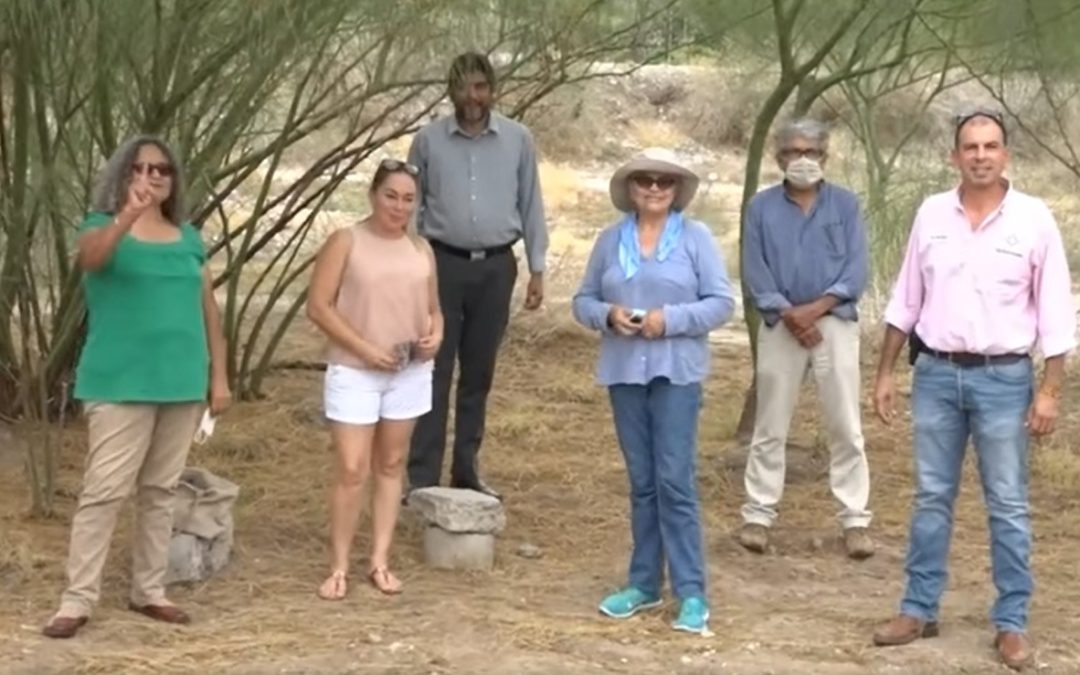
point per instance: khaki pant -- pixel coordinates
(782, 366)
(134, 449)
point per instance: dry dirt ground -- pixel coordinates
(802, 608)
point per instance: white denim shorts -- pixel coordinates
(355, 396)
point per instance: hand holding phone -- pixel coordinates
(637, 316)
(621, 321)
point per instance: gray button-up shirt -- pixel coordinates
(483, 191)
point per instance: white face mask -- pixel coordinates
(804, 172)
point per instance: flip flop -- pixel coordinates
(380, 579)
(340, 581)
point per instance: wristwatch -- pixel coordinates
(1051, 390)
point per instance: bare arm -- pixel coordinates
(1053, 376)
(890, 350)
(433, 293)
(220, 395)
(322, 294)
(430, 343)
(215, 333)
(97, 246)
(884, 388)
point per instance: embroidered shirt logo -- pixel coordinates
(1011, 246)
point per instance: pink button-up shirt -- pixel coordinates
(995, 289)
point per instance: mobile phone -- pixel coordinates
(637, 315)
(402, 351)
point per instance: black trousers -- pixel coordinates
(475, 298)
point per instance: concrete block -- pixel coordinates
(458, 510)
(458, 550)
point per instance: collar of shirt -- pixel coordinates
(822, 190)
(453, 127)
(958, 204)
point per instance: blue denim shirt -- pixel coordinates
(691, 286)
(791, 258)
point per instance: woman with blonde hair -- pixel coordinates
(154, 352)
(373, 294)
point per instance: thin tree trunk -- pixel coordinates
(754, 156)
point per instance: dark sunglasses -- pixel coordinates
(163, 169)
(645, 181)
(398, 165)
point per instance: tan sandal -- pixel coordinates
(384, 581)
(335, 587)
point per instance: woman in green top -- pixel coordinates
(154, 353)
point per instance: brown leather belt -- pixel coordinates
(972, 360)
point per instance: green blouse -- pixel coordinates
(146, 341)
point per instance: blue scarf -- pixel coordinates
(630, 249)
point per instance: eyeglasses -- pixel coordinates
(398, 165)
(809, 153)
(645, 181)
(162, 169)
(979, 111)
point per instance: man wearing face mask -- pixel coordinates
(805, 263)
(479, 194)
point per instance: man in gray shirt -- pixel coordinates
(480, 193)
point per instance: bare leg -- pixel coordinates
(352, 447)
(391, 446)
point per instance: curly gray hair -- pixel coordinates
(115, 179)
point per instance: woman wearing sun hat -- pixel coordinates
(654, 287)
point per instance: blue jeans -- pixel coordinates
(989, 404)
(657, 429)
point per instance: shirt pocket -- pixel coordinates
(835, 238)
(1017, 374)
(942, 259)
(1006, 275)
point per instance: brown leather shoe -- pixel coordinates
(754, 537)
(1014, 649)
(166, 613)
(904, 629)
(63, 627)
(858, 543)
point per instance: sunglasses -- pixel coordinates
(398, 165)
(645, 181)
(164, 169)
(964, 116)
(978, 111)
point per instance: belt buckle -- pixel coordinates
(477, 255)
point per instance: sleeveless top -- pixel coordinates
(384, 293)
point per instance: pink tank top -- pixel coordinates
(384, 293)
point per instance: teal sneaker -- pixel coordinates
(693, 616)
(627, 602)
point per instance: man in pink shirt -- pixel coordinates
(984, 281)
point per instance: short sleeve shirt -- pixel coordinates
(146, 337)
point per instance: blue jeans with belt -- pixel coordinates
(990, 404)
(657, 425)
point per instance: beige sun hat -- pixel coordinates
(653, 160)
